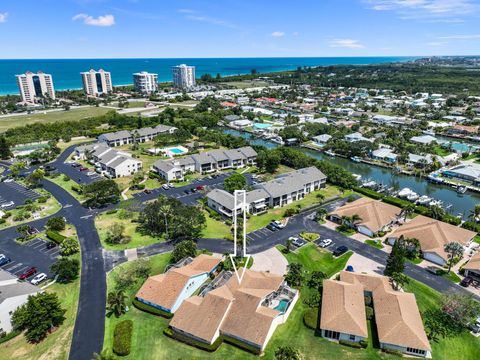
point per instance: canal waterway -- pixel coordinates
(461, 204)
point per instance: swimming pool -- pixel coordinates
(261, 125)
(282, 306)
(176, 150)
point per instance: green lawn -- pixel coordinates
(461, 347)
(67, 185)
(450, 276)
(477, 239)
(104, 221)
(215, 228)
(57, 345)
(375, 243)
(53, 116)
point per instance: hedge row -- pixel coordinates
(190, 341)
(122, 338)
(150, 309)
(6, 337)
(393, 352)
(55, 236)
(310, 318)
(353, 344)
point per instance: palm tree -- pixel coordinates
(437, 212)
(355, 219)
(288, 245)
(475, 213)
(166, 210)
(407, 210)
(453, 249)
(116, 303)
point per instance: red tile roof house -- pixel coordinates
(167, 291)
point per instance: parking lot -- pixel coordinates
(74, 173)
(13, 194)
(35, 251)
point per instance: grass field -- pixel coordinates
(63, 145)
(104, 221)
(67, 185)
(51, 116)
(57, 345)
(375, 243)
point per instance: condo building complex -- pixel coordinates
(35, 86)
(145, 82)
(96, 83)
(183, 76)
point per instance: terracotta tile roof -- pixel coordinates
(343, 308)
(396, 313)
(433, 234)
(375, 214)
(474, 262)
(233, 308)
(164, 289)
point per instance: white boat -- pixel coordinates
(369, 184)
(413, 196)
(329, 153)
(424, 199)
(357, 176)
(356, 159)
(461, 189)
(404, 193)
(435, 203)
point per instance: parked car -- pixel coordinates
(340, 250)
(272, 227)
(467, 281)
(278, 224)
(38, 278)
(83, 169)
(8, 180)
(91, 173)
(165, 187)
(50, 244)
(27, 273)
(297, 241)
(193, 190)
(186, 191)
(147, 191)
(4, 260)
(475, 326)
(200, 187)
(75, 165)
(325, 243)
(170, 185)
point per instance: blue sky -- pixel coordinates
(237, 28)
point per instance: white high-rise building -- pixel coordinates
(96, 83)
(145, 82)
(183, 76)
(35, 86)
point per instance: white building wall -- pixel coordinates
(9, 306)
(192, 285)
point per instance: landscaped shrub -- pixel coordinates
(77, 189)
(188, 340)
(69, 246)
(66, 178)
(3, 221)
(122, 338)
(153, 175)
(140, 186)
(7, 215)
(150, 309)
(310, 318)
(55, 236)
(367, 192)
(113, 211)
(349, 343)
(363, 343)
(393, 352)
(309, 236)
(42, 200)
(369, 312)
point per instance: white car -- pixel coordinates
(7, 204)
(325, 242)
(38, 278)
(278, 224)
(91, 173)
(8, 180)
(165, 187)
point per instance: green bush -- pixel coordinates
(363, 343)
(393, 352)
(310, 318)
(150, 309)
(122, 338)
(3, 221)
(367, 192)
(351, 344)
(7, 215)
(190, 341)
(140, 186)
(369, 312)
(42, 200)
(6, 337)
(113, 211)
(55, 236)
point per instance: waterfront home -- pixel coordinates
(167, 291)
(247, 311)
(283, 190)
(398, 320)
(375, 215)
(432, 235)
(142, 135)
(465, 172)
(464, 130)
(356, 136)
(385, 155)
(472, 268)
(13, 294)
(419, 160)
(321, 139)
(424, 139)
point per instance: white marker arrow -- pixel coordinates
(242, 206)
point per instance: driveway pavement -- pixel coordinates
(362, 264)
(271, 260)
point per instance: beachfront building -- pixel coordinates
(124, 137)
(247, 312)
(13, 294)
(432, 235)
(278, 192)
(398, 320)
(96, 83)
(374, 215)
(145, 82)
(183, 76)
(34, 87)
(167, 291)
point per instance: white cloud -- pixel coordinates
(212, 21)
(436, 10)
(346, 43)
(277, 34)
(461, 37)
(3, 17)
(102, 20)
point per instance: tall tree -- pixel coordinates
(5, 152)
(66, 269)
(101, 193)
(185, 248)
(395, 260)
(235, 182)
(294, 276)
(116, 303)
(454, 250)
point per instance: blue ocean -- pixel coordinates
(66, 72)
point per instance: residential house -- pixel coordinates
(175, 169)
(385, 155)
(356, 136)
(321, 139)
(246, 311)
(142, 135)
(419, 160)
(433, 235)
(472, 268)
(424, 139)
(465, 171)
(375, 215)
(113, 163)
(167, 291)
(13, 294)
(464, 130)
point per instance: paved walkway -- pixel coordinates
(270, 260)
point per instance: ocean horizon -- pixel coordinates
(66, 72)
